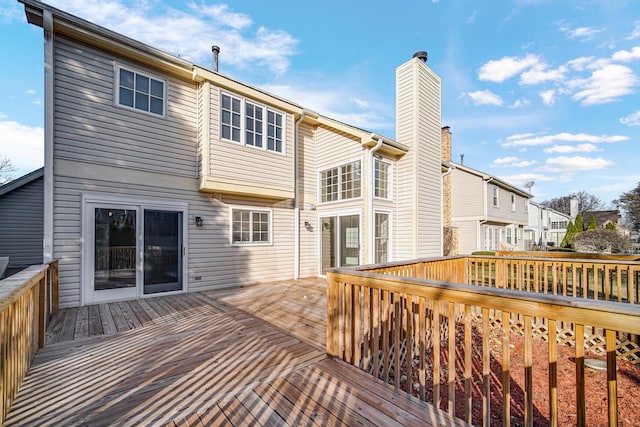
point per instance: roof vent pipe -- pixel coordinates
(422, 56)
(462, 159)
(215, 50)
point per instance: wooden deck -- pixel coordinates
(244, 356)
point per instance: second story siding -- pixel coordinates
(90, 126)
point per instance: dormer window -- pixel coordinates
(141, 92)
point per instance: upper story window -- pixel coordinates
(141, 92)
(381, 179)
(559, 225)
(250, 226)
(513, 202)
(494, 198)
(341, 183)
(247, 123)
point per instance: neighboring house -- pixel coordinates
(546, 227)
(165, 176)
(488, 213)
(21, 220)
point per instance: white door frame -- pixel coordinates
(140, 204)
(338, 213)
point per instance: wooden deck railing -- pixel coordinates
(390, 322)
(27, 299)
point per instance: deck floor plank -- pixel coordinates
(246, 356)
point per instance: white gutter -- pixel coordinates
(296, 201)
(47, 240)
(372, 225)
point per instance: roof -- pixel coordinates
(602, 217)
(87, 32)
(541, 206)
(22, 181)
(492, 178)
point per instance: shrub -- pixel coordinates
(592, 223)
(601, 241)
(483, 253)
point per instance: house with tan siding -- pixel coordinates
(162, 175)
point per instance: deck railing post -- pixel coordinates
(333, 315)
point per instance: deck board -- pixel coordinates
(244, 356)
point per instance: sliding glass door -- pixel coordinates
(132, 250)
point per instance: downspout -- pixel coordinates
(296, 200)
(47, 240)
(485, 189)
(372, 225)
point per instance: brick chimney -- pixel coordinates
(446, 143)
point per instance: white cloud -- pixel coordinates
(515, 162)
(635, 33)
(582, 33)
(521, 178)
(540, 74)
(30, 92)
(10, 10)
(566, 149)
(485, 97)
(631, 119)
(518, 103)
(241, 45)
(23, 145)
(505, 68)
(627, 55)
(532, 140)
(575, 164)
(471, 19)
(3, 116)
(605, 85)
(360, 102)
(548, 97)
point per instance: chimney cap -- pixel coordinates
(215, 48)
(421, 55)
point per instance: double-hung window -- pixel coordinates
(250, 226)
(381, 181)
(513, 202)
(495, 196)
(341, 183)
(251, 124)
(141, 92)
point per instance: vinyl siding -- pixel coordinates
(468, 197)
(21, 224)
(88, 127)
(209, 252)
(308, 202)
(230, 160)
(503, 212)
(418, 121)
(468, 236)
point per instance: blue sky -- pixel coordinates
(533, 90)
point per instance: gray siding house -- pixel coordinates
(21, 220)
(489, 213)
(165, 176)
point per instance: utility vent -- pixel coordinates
(215, 50)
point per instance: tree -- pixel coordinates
(579, 224)
(592, 223)
(630, 202)
(6, 168)
(601, 241)
(568, 236)
(610, 226)
(586, 202)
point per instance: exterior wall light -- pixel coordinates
(199, 221)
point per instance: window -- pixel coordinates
(381, 179)
(250, 226)
(513, 202)
(495, 196)
(509, 235)
(140, 92)
(559, 225)
(341, 183)
(381, 237)
(252, 130)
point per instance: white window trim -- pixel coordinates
(389, 212)
(339, 165)
(243, 124)
(496, 203)
(253, 209)
(337, 213)
(389, 179)
(513, 202)
(116, 90)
